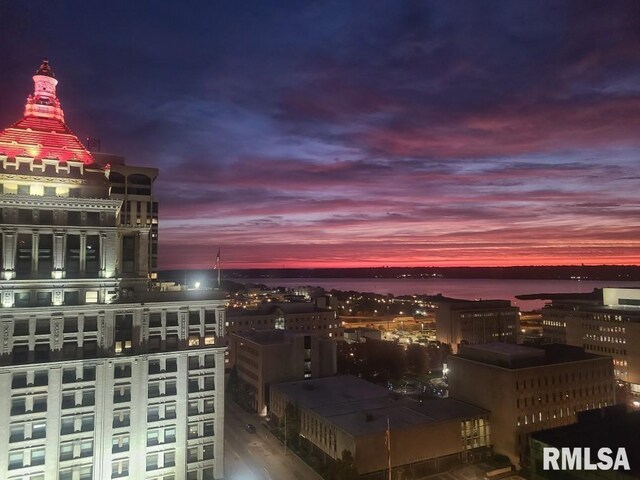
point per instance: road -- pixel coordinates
(257, 456)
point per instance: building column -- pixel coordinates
(105, 339)
(142, 254)
(6, 332)
(59, 240)
(54, 400)
(5, 420)
(103, 254)
(35, 243)
(83, 253)
(9, 246)
(221, 330)
(56, 338)
(218, 453)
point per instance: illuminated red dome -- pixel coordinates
(41, 132)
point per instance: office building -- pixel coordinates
(341, 413)
(470, 322)
(528, 389)
(102, 378)
(606, 322)
(265, 357)
(300, 317)
(134, 186)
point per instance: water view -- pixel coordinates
(470, 289)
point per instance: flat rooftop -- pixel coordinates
(362, 408)
(509, 355)
(171, 296)
(273, 308)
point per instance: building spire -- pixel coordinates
(44, 102)
(45, 69)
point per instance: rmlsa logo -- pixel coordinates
(579, 458)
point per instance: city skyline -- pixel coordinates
(327, 135)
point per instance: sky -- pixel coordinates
(356, 133)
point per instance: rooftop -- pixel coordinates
(277, 308)
(362, 408)
(171, 296)
(508, 355)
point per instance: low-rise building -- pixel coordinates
(361, 334)
(529, 389)
(263, 358)
(347, 413)
(471, 322)
(301, 317)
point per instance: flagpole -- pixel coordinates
(388, 435)
(218, 268)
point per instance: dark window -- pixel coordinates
(43, 327)
(71, 298)
(70, 325)
(93, 254)
(155, 320)
(45, 253)
(23, 262)
(43, 299)
(41, 353)
(128, 254)
(70, 349)
(24, 215)
(90, 349)
(155, 343)
(72, 259)
(21, 327)
(90, 324)
(172, 319)
(45, 217)
(93, 219)
(74, 217)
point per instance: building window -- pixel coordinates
(91, 296)
(120, 444)
(120, 468)
(121, 418)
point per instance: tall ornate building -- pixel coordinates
(101, 378)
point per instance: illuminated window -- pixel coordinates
(91, 296)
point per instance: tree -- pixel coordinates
(346, 467)
(292, 425)
(417, 358)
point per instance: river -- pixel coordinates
(471, 289)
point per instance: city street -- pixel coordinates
(257, 456)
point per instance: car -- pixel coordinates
(250, 428)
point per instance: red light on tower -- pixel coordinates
(42, 132)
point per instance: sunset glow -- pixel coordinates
(304, 134)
